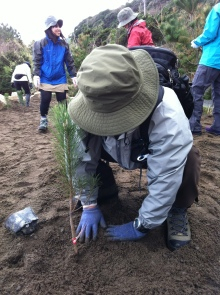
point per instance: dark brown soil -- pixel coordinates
(44, 262)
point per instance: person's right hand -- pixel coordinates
(89, 222)
(36, 80)
(193, 45)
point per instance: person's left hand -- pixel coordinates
(74, 80)
(31, 85)
(124, 232)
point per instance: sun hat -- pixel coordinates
(125, 16)
(52, 21)
(118, 89)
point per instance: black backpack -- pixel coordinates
(167, 65)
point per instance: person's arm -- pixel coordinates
(37, 58)
(170, 142)
(90, 153)
(92, 216)
(211, 28)
(69, 61)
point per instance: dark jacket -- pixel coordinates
(49, 59)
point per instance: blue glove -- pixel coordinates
(124, 232)
(89, 222)
(31, 86)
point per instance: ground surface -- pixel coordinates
(44, 262)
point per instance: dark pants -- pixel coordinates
(205, 77)
(19, 85)
(46, 99)
(188, 191)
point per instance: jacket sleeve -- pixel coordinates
(211, 27)
(69, 61)
(37, 58)
(170, 142)
(88, 164)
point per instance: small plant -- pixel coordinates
(208, 110)
(67, 139)
(8, 103)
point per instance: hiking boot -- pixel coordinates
(43, 124)
(178, 229)
(212, 130)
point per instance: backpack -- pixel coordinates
(167, 66)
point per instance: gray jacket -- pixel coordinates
(170, 142)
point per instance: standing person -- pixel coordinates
(207, 73)
(50, 55)
(137, 32)
(21, 79)
(110, 106)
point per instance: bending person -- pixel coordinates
(21, 79)
(118, 90)
(137, 32)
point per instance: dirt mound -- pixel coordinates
(44, 263)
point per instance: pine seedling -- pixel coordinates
(67, 138)
(8, 103)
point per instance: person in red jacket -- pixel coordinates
(138, 33)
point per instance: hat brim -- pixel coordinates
(53, 23)
(130, 116)
(60, 23)
(125, 22)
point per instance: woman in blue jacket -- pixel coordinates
(50, 55)
(208, 72)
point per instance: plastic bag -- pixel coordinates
(24, 221)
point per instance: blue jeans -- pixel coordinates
(205, 77)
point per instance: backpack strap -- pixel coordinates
(139, 147)
(145, 125)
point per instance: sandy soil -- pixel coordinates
(44, 262)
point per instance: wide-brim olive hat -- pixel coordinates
(118, 89)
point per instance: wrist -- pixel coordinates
(90, 206)
(139, 226)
